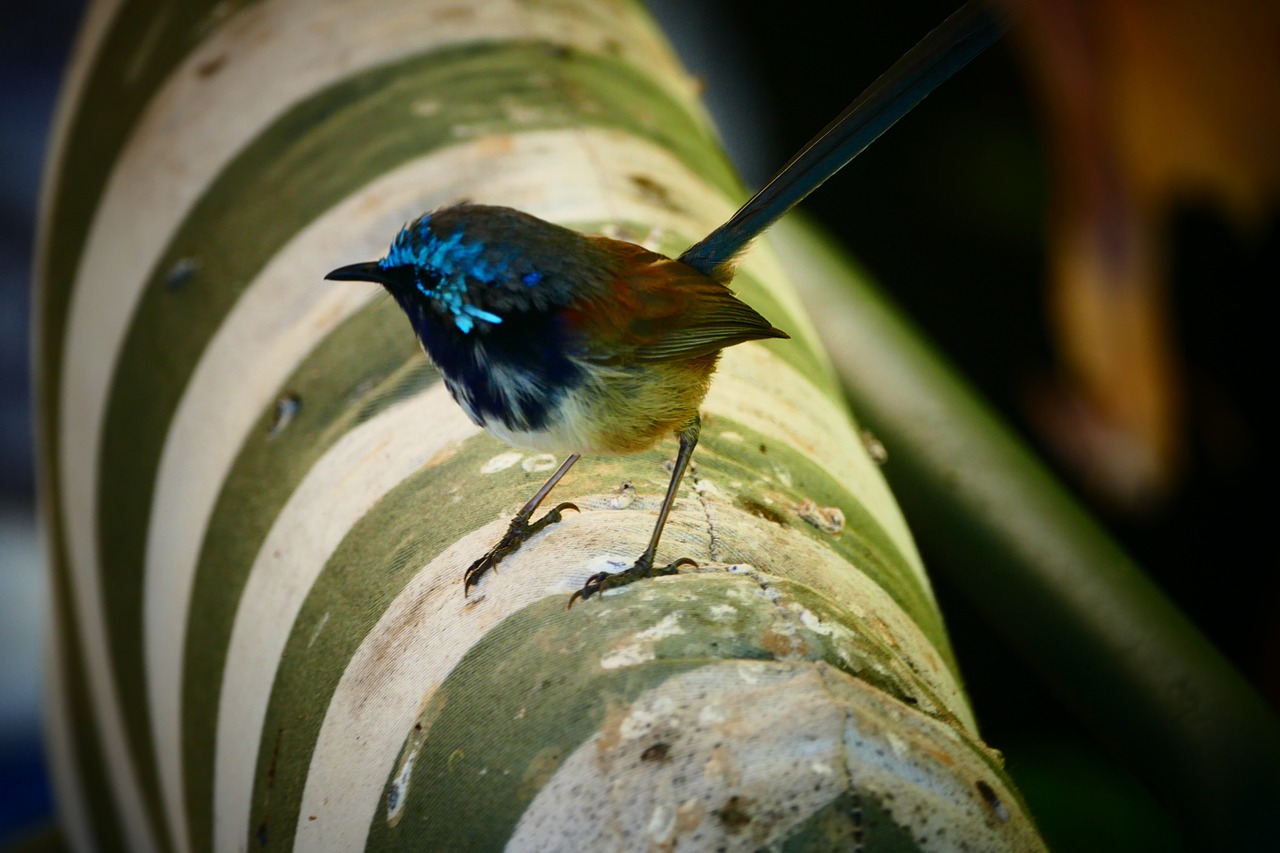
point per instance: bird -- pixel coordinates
(570, 343)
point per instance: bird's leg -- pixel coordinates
(643, 567)
(520, 529)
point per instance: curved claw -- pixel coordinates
(516, 534)
(490, 560)
(590, 588)
(553, 515)
(601, 581)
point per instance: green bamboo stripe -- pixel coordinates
(90, 769)
(314, 156)
(367, 364)
(863, 542)
(135, 56)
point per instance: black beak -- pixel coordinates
(367, 271)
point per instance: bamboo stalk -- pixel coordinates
(261, 499)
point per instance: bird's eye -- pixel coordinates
(427, 280)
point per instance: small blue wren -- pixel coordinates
(564, 342)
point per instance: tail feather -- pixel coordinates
(944, 51)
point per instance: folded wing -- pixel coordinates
(660, 310)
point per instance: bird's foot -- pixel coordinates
(643, 568)
(519, 530)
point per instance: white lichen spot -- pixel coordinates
(742, 568)
(810, 620)
(632, 654)
(520, 714)
(539, 462)
(668, 627)
(642, 720)
(722, 612)
(662, 823)
(822, 768)
(501, 462)
(729, 435)
(426, 107)
(896, 743)
(783, 475)
(707, 488)
(749, 673)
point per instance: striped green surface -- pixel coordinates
(141, 48)
(534, 689)
(314, 156)
(335, 392)
(317, 153)
(136, 55)
(862, 541)
(405, 532)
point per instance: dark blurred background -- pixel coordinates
(950, 212)
(34, 42)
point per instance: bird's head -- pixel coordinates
(471, 267)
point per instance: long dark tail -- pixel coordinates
(968, 32)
